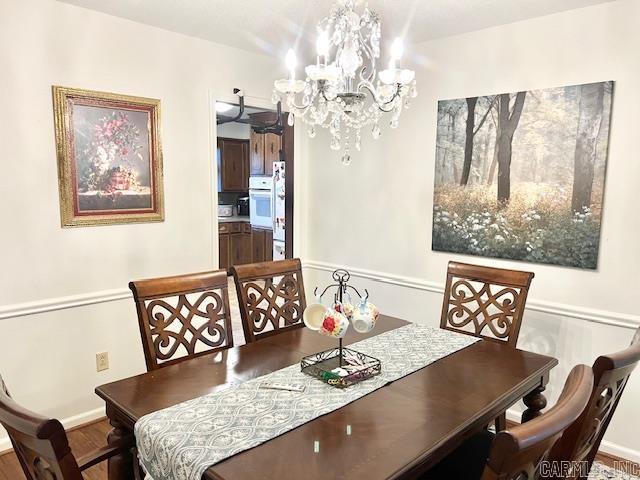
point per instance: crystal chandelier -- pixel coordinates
(344, 92)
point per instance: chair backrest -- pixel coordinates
(519, 453)
(485, 302)
(271, 296)
(40, 443)
(182, 316)
(580, 442)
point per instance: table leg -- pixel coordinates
(535, 402)
(120, 466)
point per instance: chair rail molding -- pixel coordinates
(61, 303)
(616, 319)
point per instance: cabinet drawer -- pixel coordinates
(234, 227)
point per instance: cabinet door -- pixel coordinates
(223, 251)
(258, 241)
(245, 165)
(272, 145)
(256, 154)
(233, 162)
(268, 246)
(240, 244)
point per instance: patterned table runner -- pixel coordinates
(181, 442)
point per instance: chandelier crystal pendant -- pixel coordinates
(343, 91)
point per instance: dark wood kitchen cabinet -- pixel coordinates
(240, 245)
(233, 165)
(223, 251)
(235, 245)
(272, 146)
(265, 149)
(256, 157)
(262, 245)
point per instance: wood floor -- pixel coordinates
(91, 436)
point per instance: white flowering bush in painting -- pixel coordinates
(536, 226)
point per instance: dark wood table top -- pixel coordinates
(397, 431)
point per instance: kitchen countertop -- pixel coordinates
(235, 218)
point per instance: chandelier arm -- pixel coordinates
(324, 96)
(291, 103)
(373, 91)
(380, 104)
(303, 109)
(370, 57)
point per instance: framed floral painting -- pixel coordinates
(109, 157)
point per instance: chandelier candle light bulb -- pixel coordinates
(291, 61)
(322, 46)
(397, 50)
(345, 93)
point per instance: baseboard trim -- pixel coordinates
(622, 320)
(623, 453)
(69, 423)
(61, 303)
(610, 448)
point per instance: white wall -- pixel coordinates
(48, 358)
(385, 196)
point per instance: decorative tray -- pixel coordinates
(341, 367)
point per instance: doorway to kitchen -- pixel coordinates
(254, 162)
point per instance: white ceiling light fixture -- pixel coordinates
(222, 107)
(345, 92)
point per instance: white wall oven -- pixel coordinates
(261, 202)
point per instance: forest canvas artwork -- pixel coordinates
(109, 157)
(521, 175)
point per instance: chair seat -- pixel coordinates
(467, 462)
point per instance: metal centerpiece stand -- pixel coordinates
(342, 366)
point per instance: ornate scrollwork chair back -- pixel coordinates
(580, 442)
(485, 302)
(182, 316)
(271, 296)
(41, 443)
(518, 453)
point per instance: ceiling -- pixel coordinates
(273, 26)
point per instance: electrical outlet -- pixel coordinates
(102, 361)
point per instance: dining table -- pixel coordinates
(396, 432)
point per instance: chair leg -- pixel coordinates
(501, 422)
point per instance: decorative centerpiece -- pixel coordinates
(341, 367)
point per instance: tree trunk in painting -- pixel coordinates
(485, 155)
(468, 143)
(504, 169)
(494, 161)
(454, 167)
(589, 123)
(508, 122)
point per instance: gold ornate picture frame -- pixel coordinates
(109, 158)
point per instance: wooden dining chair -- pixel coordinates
(485, 302)
(579, 444)
(42, 447)
(271, 296)
(183, 316)
(520, 452)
